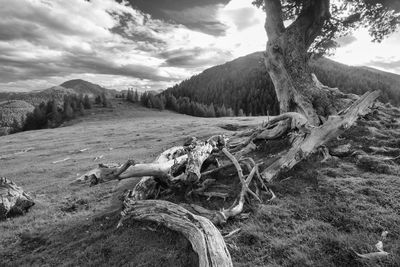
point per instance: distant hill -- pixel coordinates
(86, 88)
(12, 115)
(57, 93)
(244, 84)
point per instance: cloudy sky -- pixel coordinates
(145, 44)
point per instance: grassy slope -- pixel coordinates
(50, 233)
(321, 213)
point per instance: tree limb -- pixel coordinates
(274, 21)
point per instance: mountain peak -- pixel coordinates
(77, 82)
(87, 88)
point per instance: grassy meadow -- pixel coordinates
(322, 214)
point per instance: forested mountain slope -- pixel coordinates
(244, 84)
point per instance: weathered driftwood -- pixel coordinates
(205, 238)
(13, 200)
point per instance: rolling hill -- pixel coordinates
(87, 88)
(57, 93)
(14, 107)
(244, 84)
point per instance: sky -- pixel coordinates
(143, 44)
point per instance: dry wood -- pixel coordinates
(205, 238)
(13, 200)
(192, 155)
(232, 233)
(375, 255)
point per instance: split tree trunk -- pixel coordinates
(286, 60)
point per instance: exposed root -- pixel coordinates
(376, 255)
(273, 195)
(305, 144)
(325, 153)
(232, 233)
(205, 238)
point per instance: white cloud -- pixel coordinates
(362, 52)
(44, 43)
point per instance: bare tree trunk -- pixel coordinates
(286, 60)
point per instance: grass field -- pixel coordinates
(322, 213)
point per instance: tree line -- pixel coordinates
(52, 114)
(182, 105)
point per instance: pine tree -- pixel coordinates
(104, 100)
(230, 113)
(68, 112)
(86, 102)
(136, 98)
(97, 100)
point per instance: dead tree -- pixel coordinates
(180, 172)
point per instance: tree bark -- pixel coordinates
(286, 59)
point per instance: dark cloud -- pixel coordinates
(195, 57)
(127, 27)
(194, 14)
(24, 17)
(10, 30)
(199, 18)
(346, 40)
(19, 68)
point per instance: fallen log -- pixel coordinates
(13, 200)
(205, 238)
(192, 155)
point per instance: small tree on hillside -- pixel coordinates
(136, 97)
(97, 100)
(86, 102)
(68, 112)
(104, 100)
